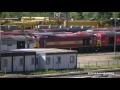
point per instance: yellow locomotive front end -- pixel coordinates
(98, 43)
(36, 42)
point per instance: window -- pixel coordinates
(72, 58)
(5, 63)
(9, 44)
(32, 61)
(21, 61)
(47, 60)
(86, 41)
(58, 60)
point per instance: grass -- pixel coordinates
(94, 67)
(40, 72)
(80, 70)
(1, 74)
(85, 54)
(117, 57)
(54, 71)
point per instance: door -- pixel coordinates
(111, 40)
(20, 44)
(86, 41)
(28, 44)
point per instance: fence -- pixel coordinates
(99, 64)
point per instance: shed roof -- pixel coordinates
(48, 50)
(16, 37)
(16, 53)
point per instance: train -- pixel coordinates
(107, 40)
(94, 39)
(82, 41)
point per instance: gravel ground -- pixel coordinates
(97, 56)
(100, 58)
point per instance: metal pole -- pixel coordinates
(0, 36)
(66, 20)
(115, 39)
(0, 45)
(5, 69)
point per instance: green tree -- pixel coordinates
(29, 14)
(74, 15)
(87, 15)
(80, 15)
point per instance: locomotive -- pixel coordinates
(82, 41)
(98, 39)
(106, 40)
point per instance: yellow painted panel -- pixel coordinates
(98, 43)
(64, 42)
(36, 45)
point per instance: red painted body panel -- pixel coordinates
(66, 41)
(104, 38)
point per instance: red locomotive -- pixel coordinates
(106, 40)
(98, 39)
(80, 41)
(104, 29)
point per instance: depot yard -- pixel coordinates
(99, 60)
(97, 56)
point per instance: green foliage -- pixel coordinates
(87, 15)
(74, 15)
(29, 14)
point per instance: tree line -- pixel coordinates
(74, 15)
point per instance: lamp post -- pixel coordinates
(67, 20)
(115, 20)
(0, 36)
(0, 46)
